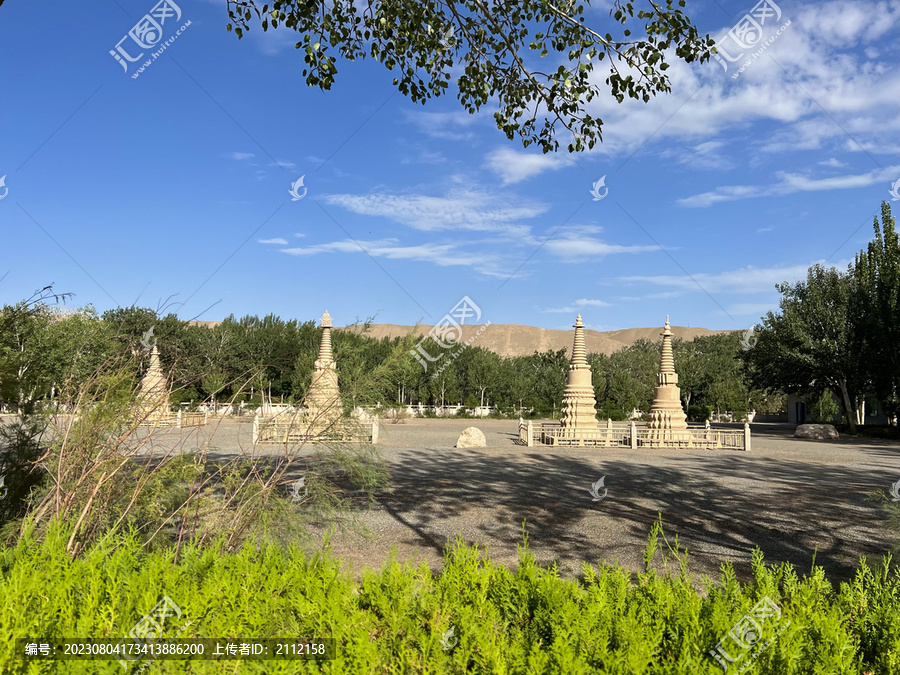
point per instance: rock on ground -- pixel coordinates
(471, 438)
(817, 432)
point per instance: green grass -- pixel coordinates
(393, 620)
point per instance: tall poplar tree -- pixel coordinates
(877, 307)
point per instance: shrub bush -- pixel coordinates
(699, 413)
(399, 619)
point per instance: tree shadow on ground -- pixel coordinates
(720, 505)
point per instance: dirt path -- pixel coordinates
(789, 497)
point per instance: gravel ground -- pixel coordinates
(792, 498)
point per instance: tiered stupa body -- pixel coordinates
(323, 400)
(153, 398)
(579, 407)
(667, 417)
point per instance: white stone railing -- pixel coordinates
(165, 421)
(551, 433)
(192, 419)
(607, 438)
(710, 439)
(530, 432)
(180, 419)
(275, 430)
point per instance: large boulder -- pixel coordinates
(471, 438)
(818, 432)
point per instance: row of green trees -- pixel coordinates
(835, 335)
(45, 350)
(837, 332)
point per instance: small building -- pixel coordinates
(799, 411)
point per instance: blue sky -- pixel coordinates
(175, 185)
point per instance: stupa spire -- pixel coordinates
(579, 407)
(579, 355)
(323, 400)
(666, 413)
(154, 394)
(667, 360)
(325, 353)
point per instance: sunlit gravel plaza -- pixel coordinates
(792, 498)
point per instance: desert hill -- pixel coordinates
(511, 339)
(516, 340)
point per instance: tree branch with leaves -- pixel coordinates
(499, 47)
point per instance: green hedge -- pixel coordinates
(393, 621)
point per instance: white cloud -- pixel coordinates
(240, 155)
(576, 307)
(576, 244)
(789, 183)
(514, 166)
(847, 24)
(448, 126)
(443, 255)
(277, 240)
(745, 280)
(665, 295)
(752, 308)
(707, 155)
(815, 65)
(462, 209)
(283, 164)
(423, 156)
(833, 162)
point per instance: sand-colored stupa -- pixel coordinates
(579, 407)
(323, 400)
(153, 399)
(666, 414)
